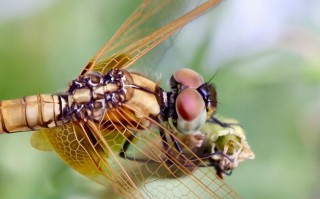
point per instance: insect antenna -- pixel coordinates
(213, 76)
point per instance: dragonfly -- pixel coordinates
(120, 128)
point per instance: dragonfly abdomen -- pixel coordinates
(31, 113)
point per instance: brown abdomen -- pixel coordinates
(30, 113)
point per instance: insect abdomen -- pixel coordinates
(30, 113)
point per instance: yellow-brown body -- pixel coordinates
(85, 101)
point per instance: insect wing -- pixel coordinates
(152, 23)
(76, 144)
(154, 170)
(93, 150)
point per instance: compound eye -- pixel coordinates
(188, 78)
(191, 111)
(189, 104)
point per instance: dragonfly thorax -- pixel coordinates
(90, 95)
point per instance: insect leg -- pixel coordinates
(222, 124)
(125, 147)
(123, 152)
(166, 147)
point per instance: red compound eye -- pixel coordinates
(188, 78)
(189, 104)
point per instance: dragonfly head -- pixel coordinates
(194, 101)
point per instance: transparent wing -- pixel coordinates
(93, 150)
(152, 23)
(164, 173)
(40, 141)
(76, 144)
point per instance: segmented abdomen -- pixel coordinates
(30, 113)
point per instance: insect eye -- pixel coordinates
(189, 104)
(188, 78)
(191, 111)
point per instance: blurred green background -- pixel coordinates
(266, 54)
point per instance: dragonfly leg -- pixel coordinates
(176, 144)
(164, 140)
(220, 171)
(222, 124)
(182, 154)
(125, 147)
(166, 147)
(123, 152)
(215, 163)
